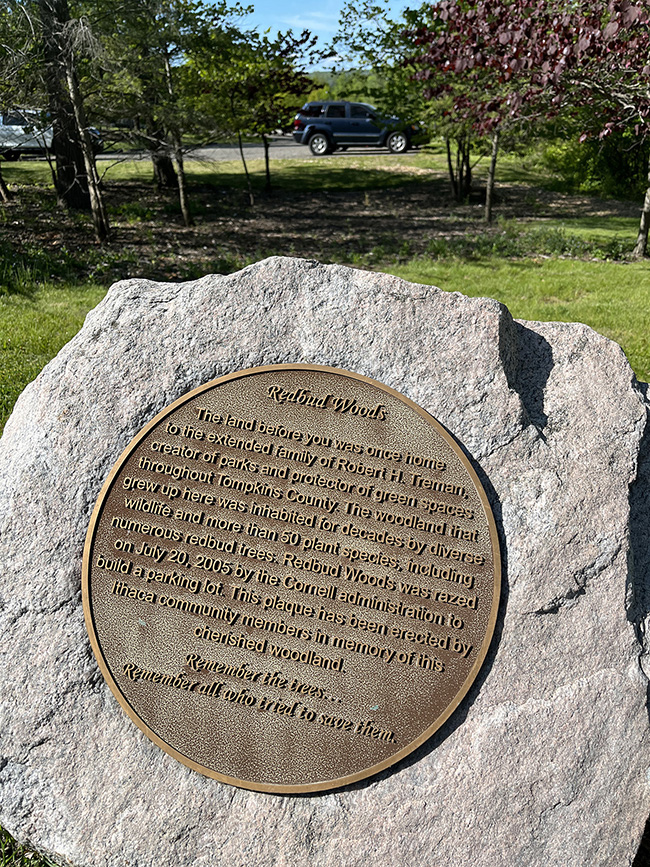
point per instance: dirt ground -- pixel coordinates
(363, 228)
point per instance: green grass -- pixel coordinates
(32, 330)
(27, 172)
(612, 298)
(357, 171)
(12, 854)
(605, 226)
(603, 229)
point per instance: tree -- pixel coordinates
(378, 45)
(250, 85)
(468, 59)
(9, 74)
(272, 85)
(73, 38)
(70, 172)
(550, 54)
(20, 72)
(134, 91)
(47, 45)
(381, 47)
(151, 46)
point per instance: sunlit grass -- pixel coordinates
(33, 329)
(597, 228)
(13, 854)
(357, 169)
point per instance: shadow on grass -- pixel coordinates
(23, 270)
(297, 176)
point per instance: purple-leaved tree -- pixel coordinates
(521, 60)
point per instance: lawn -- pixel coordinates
(546, 257)
(33, 329)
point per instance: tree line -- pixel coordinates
(486, 75)
(165, 73)
(494, 72)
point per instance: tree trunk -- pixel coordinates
(164, 173)
(267, 167)
(467, 167)
(100, 217)
(460, 170)
(642, 238)
(52, 167)
(251, 198)
(460, 177)
(489, 189)
(450, 169)
(182, 185)
(70, 178)
(178, 150)
(5, 195)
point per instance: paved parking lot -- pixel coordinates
(281, 148)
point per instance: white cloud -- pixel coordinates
(314, 21)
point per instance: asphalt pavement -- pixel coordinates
(282, 148)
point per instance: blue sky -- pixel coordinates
(319, 16)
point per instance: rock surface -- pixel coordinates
(545, 762)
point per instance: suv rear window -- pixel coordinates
(312, 109)
(14, 118)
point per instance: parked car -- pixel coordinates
(22, 132)
(326, 126)
(26, 132)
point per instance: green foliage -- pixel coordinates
(616, 166)
(513, 241)
(144, 85)
(247, 83)
(20, 56)
(377, 44)
(356, 85)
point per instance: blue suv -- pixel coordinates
(326, 126)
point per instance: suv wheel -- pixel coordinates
(319, 144)
(397, 143)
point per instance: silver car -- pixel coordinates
(23, 131)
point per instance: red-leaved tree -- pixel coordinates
(521, 59)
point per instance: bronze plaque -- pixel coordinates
(291, 578)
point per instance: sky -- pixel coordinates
(319, 16)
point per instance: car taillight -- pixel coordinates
(298, 124)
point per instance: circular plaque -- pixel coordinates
(291, 578)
